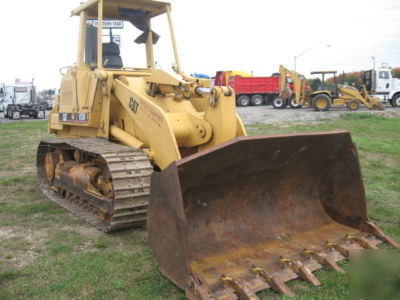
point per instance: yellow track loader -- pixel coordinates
(142, 145)
(323, 99)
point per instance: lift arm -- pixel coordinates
(299, 82)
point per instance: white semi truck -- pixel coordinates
(380, 83)
(19, 99)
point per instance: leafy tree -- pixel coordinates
(314, 83)
(351, 79)
(396, 72)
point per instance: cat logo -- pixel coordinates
(133, 105)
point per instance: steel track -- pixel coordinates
(130, 171)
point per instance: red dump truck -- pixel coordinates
(254, 90)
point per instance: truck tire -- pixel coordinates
(293, 104)
(41, 114)
(396, 101)
(321, 102)
(257, 100)
(15, 115)
(243, 100)
(279, 103)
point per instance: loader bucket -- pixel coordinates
(377, 106)
(255, 212)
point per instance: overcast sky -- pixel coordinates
(39, 37)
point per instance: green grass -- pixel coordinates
(45, 253)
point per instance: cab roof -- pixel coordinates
(113, 9)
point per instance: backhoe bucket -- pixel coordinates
(255, 212)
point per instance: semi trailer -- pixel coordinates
(19, 100)
(47, 97)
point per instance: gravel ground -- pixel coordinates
(269, 115)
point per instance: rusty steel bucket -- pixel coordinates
(255, 212)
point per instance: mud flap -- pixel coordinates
(255, 212)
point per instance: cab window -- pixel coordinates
(383, 75)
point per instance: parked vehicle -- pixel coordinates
(2, 97)
(20, 100)
(200, 75)
(222, 77)
(253, 90)
(381, 84)
(46, 98)
(323, 98)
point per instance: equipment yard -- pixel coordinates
(266, 114)
(269, 115)
(135, 180)
(47, 253)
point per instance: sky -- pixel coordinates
(39, 37)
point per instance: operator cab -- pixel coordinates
(112, 25)
(111, 49)
(323, 86)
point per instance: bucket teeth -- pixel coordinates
(301, 270)
(199, 287)
(370, 227)
(361, 241)
(336, 246)
(324, 260)
(274, 282)
(240, 287)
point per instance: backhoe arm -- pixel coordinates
(299, 82)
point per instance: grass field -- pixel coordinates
(45, 253)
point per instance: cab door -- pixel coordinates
(383, 81)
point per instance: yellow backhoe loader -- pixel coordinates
(323, 99)
(137, 145)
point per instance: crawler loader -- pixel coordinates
(323, 99)
(227, 215)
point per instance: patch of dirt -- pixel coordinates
(33, 245)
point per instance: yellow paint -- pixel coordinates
(346, 94)
(160, 112)
(228, 74)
